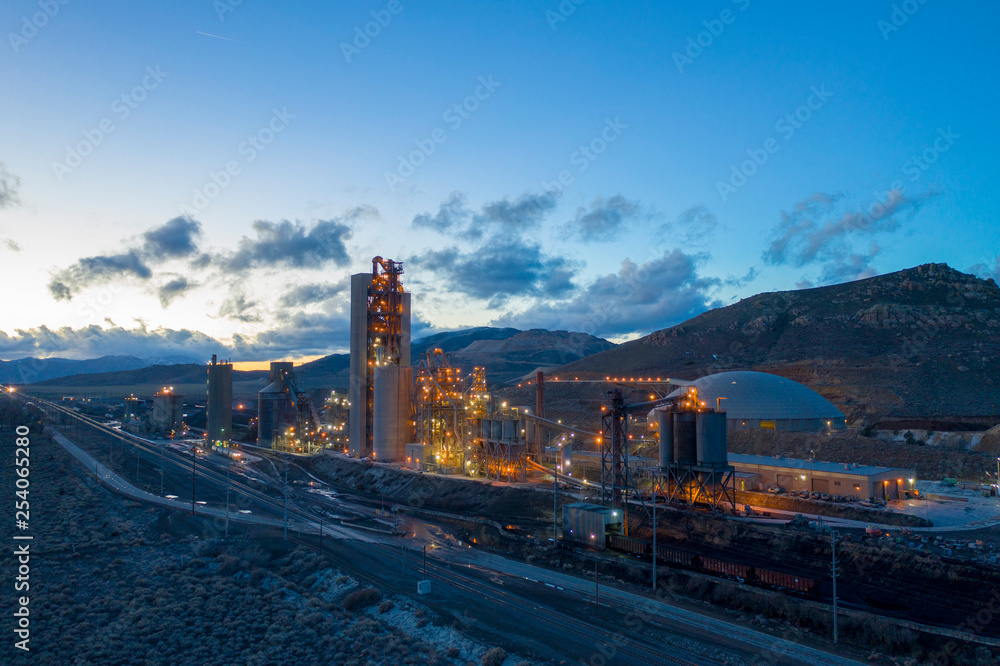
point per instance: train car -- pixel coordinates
(674, 556)
(629, 545)
(732, 569)
(785, 581)
(228, 452)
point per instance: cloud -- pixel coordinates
(307, 294)
(987, 272)
(501, 216)
(639, 298)
(290, 245)
(452, 214)
(504, 266)
(239, 308)
(855, 266)
(90, 270)
(694, 225)
(801, 238)
(11, 245)
(174, 289)
(9, 186)
(177, 238)
(94, 341)
(173, 239)
(603, 219)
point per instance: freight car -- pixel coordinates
(684, 559)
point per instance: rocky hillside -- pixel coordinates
(922, 342)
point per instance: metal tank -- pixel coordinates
(270, 412)
(497, 430)
(685, 438)
(665, 421)
(711, 437)
(219, 412)
(391, 406)
(509, 430)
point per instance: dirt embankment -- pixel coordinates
(848, 512)
(429, 491)
(930, 462)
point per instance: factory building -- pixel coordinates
(588, 524)
(219, 408)
(758, 400)
(380, 336)
(168, 413)
(846, 480)
(287, 417)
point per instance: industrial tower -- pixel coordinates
(220, 402)
(380, 339)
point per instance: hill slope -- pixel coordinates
(920, 342)
(30, 370)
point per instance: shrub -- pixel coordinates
(453, 652)
(361, 599)
(494, 657)
(386, 606)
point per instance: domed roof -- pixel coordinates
(759, 395)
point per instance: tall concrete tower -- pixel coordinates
(220, 402)
(380, 336)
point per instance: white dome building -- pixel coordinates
(755, 400)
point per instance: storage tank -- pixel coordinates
(665, 421)
(219, 408)
(711, 436)
(685, 438)
(509, 430)
(391, 418)
(497, 430)
(487, 428)
(271, 412)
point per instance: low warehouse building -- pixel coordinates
(754, 400)
(859, 481)
(589, 523)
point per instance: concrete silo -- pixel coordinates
(391, 429)
(220, 402)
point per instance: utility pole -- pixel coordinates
(654, 534)
(194, 472)
(286, 499)
(138, 457)
(425, 562)
(228, 487)
(597, 585)
(555, 504)
(833, 546)
(161, 481)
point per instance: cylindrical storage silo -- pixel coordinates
(497, 429)
(269, 402)
(487, 429)
(685, 438)
(711, 429)
(509, 428)
(665, 421)
(391, 411)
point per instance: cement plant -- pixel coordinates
(409, 469)
(543, 332)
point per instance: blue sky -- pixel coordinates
(707, 153)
